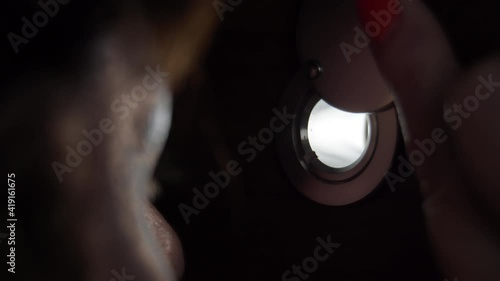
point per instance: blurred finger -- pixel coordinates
(471, 111)
(417, 61)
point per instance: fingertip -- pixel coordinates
(379, 17)
(416, 59)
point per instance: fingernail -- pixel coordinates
(379, 17)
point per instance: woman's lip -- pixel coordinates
(167, 238)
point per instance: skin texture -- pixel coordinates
(99, 218)
(460, 188)
(111, 182)
(98, 221)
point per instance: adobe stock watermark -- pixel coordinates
(120, 106)
(454, 117)
(248, 149)
(40, 19)
(222, 6)
(123, 276)
(309, 265)
(363, 37)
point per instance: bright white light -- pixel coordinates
(339, 138)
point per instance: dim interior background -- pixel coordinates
(259, 226)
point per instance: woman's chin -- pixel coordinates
(167, 238)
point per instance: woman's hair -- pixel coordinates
(42, 34)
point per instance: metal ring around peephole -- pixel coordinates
(323, 184)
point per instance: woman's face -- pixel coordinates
(104, 126)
